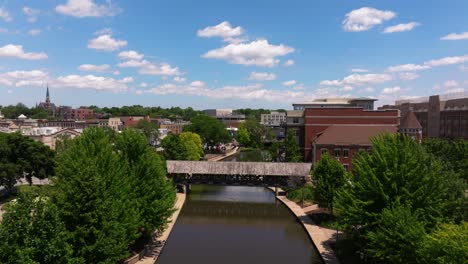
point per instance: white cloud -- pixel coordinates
(289, 83)
(130, 55)
(262, 76)
(288, 63)
(223, 30)
(347, 88)
(31, 13)
(106, 43)
(359, 80)
(365, 18)
(16, 51)
(93, 82)
(23, 78)
(197, 84)
(407, 67)
(258, 52)
(87, 8)
(447, 61)
(10, 91)
(408, 76)
(159, 69)
(34, 32)
(133, 64)
(391, 90)
(5, 15)
(143, 85)
(357, 70)
(179, 79)
(455, 36)
(401, 27)
(94, 68)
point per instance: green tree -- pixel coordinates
(243, 136)
(150, 130)
(447, 244)
(210, 130)
(32, 232)
(152, 192)
(173, 147)
(292, 149)
(95, 197)
(398, 234)
(193, 145)
(453, 153)
(328, 177)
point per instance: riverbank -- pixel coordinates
(229, 153)
(321, 237)
(153, 257)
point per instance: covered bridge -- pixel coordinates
(237, 173)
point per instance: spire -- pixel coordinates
(47, 95)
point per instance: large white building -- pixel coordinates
(273, 119)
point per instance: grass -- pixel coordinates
(46, 190)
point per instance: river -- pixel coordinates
(234, 224)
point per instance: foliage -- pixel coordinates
(447, 244)
(274, 150)
(243, 136)
(32, 232)
(398, 233)
(453, 153)
(22, 156)
(150, 130)
(257, 133)
(292, 149)
(210, 130)
(193, 145)
(328, 177)
(95, 197)
(152, 192)
(303, 193)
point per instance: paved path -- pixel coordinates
(322, 237)
(229, 153)
(152, 258)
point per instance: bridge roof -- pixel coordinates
(238, 168)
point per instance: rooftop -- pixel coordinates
(352, 134)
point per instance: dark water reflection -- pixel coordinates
(230, 224)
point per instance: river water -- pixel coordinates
(235, 224)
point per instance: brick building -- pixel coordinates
(444, 116)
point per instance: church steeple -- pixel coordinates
(47, 95)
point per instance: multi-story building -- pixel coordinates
(115, 123)
(273, 119)
(295, 123)
(411, 127)
(218, 112)
(440, 116)
(175, 127)
(82, 113)
(365, 103)
(226, 117)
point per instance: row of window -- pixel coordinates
(338, 152)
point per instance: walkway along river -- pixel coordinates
(233, 224)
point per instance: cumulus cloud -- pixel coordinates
(447, 61)
(359, 80)
(358, 70)
(262, 76)
(87, 8)
(365, 18)
(94, 68)
(391, 90)
(401, 27)
(456, 36)
(34, 32)
(179, 79)
(289, 83)
(93, 82)
(23, 78)
(407, 68)
(258, 52)
(450, 86)
(31, 14)
(16, 51)
(130, 55)
(223, 30)
(159, 69)
(288, 63)
(408, 76)
(106, 43)
(5, 15)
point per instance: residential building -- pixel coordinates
(440, 116)
(174, 127)
(273, 119)
(115, 123)
(344, 141)
(50, 136)
(365, 103)
(82, 113)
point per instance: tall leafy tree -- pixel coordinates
(193, 145)
(150, 130)
(173, 147)
(243, 136)
(329, 177)
(210, 130)
(453, 153)
(32, 232)
(94, 195)
(152, 192)
(292, 149)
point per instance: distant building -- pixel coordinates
(295, 123)
(364, 103)
(218, 112)
(440, 116)
(115, 123)
(174, 127)
(48, 106)
(344, 141)
(64, 112)
(82, 113)
(411, 127)
(226, 117)
(50, 136)
(273, 119)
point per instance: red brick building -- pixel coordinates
(344, 141)
(317, 120)
(82, 113)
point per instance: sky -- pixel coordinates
(230, 54)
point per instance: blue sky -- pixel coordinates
(230, 54)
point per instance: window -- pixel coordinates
(346, 167)
(295, 120)
(323, 151)
(337, 153)
(345, 153)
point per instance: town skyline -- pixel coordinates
(114, 53)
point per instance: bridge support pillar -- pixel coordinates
(276, 190)
(187, 188)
